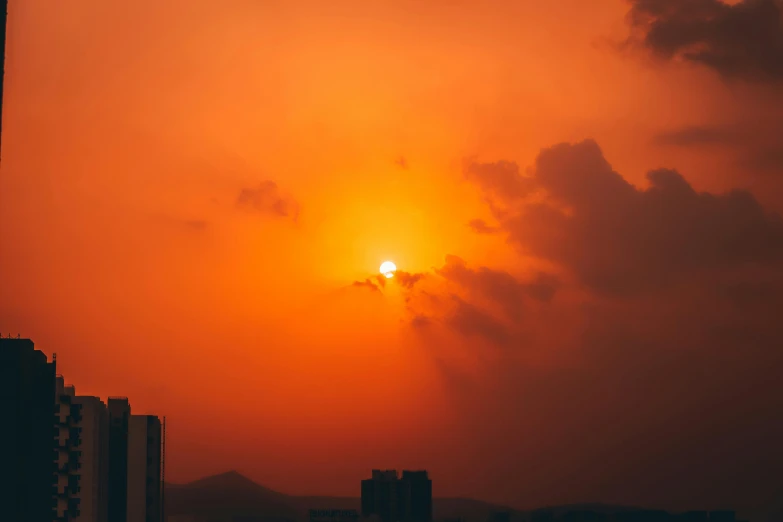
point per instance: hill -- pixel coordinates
(228, 495)
(232, 496)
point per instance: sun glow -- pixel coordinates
(388, 268)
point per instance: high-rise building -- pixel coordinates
(82, 450)
(382, 496)
(94, 459)
(418, 487)
(27, 393)
(68, 450)
(398, 499)
(144, 469)
(119, 425)
(3, 25)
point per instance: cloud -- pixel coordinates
(741, 41)
(499, 287)
(619, 239)
(653, 345)
(407, 279)
(755, 147)
(491, 308)
(479, 226)
(367, 283)
(375, 283)
(500, 179)
(698, 136)
(651, 340)
(765, 158)
(420, 321)
(268, 199)
(470, 321)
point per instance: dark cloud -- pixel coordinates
(637, 414)
(500, 179)
(375, 283)
(420, 321)
(765, 158)
(754, 147)
(368, 284)
(407, 279)
(479, 226)
(499, 287)
(646, 372)
(743, 41)
(620, 239)
(698, 136)
(268, 199)
(471, 321)
(478, 304)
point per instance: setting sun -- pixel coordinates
(388, 268)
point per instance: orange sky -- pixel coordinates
(132, 129)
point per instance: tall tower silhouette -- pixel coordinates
(27, 440)
(3, 23)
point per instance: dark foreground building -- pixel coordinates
(382, 495)
(27, 391)
(144, 469)
(3, 25)
(398, 499)
(418, 487)
(119, 428)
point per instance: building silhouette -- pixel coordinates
(67, 417)
(500, 516)
(119, 428)
(82, 450)
(3, 28)
(398, 499)
(144, 469)
(94, 459)
(542, 515)
(418, 488)
(382, 496)
(27, 390)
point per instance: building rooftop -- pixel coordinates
(384, 474)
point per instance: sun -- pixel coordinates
(388, 268)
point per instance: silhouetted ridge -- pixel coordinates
(228, 480)
(592, 507)
(229, 493)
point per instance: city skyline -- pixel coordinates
(71, 457)
(532, 247)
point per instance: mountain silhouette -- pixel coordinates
(226, 496)
(231, 496)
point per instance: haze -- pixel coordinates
(582, 200)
